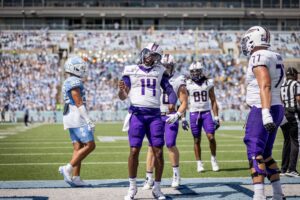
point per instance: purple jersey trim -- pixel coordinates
(144, 110)
(259, 66)
(126, 80)
(144, 69)
(166, 86)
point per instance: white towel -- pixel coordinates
(126, 122)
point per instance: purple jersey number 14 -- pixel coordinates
(147, 83)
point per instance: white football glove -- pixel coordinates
(91, 125)
(173, 117)
(267, 119)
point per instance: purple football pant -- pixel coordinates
(197, 120)
(149, 125)
(171, 131)
(258, 141)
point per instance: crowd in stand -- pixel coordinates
(29, 80)
(34, 79)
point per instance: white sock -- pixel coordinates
(132, 182)
(69, 167)
(199, 162)
(176, 171)
(149, 175)
(157, 184)
(277, 189)
(213, 157)
(76, 177)
(259, 190)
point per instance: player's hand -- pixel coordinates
(217, 123)
(122, 85)
(185, 125)
(268, 122)
(91, 125)
(173, 117)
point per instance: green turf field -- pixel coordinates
(37, 153)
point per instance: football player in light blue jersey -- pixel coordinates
(76, 119)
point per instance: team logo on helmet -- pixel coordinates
(256, 36)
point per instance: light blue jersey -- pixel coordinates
(72, 118)
(69, 84)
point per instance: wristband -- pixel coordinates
(83, 113)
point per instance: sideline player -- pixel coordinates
(265, 75)
(76, 119)
(200, 90)
(141, 84)
(171, 124)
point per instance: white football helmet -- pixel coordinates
(76, 65)
(196, 71)
(168, 62)
(254, 37)
(151, 54)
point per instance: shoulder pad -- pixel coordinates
(260, 58)
(73, 82)
(129, 69)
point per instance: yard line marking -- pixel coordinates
(121, 146)
(110, 153)
(17, 129)
(121, 162)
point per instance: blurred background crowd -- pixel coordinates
(31, 63)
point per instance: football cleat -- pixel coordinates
(67, 175)
(157, 194)
(131, 193)
(214, 164)
(148, 184)
(175, 181)
(77, 182)
(294, 174)
(200, 167)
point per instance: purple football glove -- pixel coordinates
(185, 125)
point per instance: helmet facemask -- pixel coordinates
(196, 74)
(149, 58)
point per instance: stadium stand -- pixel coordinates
(31, 64)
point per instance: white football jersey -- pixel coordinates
(176, 81)
(273, 61)
(199, 95)
(145, 86)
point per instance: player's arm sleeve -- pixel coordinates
(73, 84)
(167, 87)
(210, 83)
